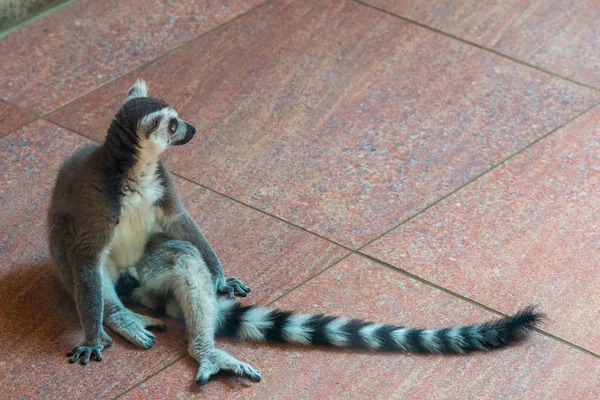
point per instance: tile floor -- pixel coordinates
(424, 163)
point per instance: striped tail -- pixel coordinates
(261, 324)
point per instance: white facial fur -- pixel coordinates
(153, 138)
(161, 137)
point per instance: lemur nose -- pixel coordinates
(190, 129)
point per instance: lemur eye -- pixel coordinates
(173, 126)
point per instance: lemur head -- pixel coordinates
(151, 122)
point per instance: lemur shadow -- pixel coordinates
(36, 313)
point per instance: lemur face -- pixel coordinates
(158, 125)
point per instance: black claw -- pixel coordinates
(202, 381)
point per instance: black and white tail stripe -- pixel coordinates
(261, 324)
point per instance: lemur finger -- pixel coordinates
(72, 351)
(97, 354)
(249, 372)
(87, 354)
(238, 283)
(228, 291)
(238, 288)
(206, 370)
(74, 354)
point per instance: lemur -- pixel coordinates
(117, 228)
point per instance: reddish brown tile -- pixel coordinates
(538, 368)
(340, 118)
(39, 322)
(58, 58)
(12, 118)
(560, 36)
(526, 232)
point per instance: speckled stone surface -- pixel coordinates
(12, 118)
(526, 232)
(39, 323)
(56, 59)
(340, 118)
(560, 36)
(538, 368)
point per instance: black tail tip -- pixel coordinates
(524, 321)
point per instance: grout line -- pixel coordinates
(159, 57)
(71, 130)
(333, 264)
(468, 300)
(493, 167)
(422, 25)
(150, 376)
(27, 21)
(8, 103)
(261, 211)
(17, 128)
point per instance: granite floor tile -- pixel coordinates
(526, 232)
(560, 36)
(12, 118)
(56, 59)
(340, 118)
(39, 323)
(539, 368)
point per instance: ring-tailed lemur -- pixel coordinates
(106, 204)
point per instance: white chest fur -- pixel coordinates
(138, 219)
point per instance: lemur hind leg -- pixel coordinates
(173, 275)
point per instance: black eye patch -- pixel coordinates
(173, 125)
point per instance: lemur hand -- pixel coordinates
(83, 353)
(231, 287)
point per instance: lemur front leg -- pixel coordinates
(87, 291)
(177, 224)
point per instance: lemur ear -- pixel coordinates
(139, 89)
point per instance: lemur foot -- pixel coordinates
(134, 327)
(216, 360)
(231, 286)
